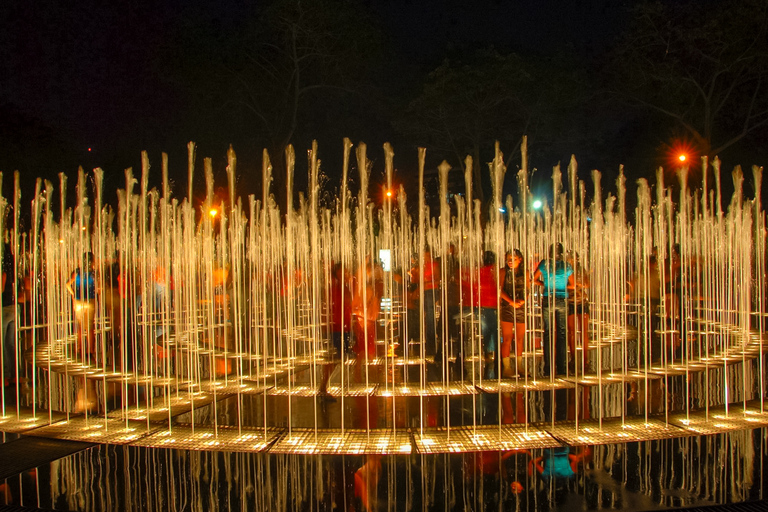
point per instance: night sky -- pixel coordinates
(86, 83)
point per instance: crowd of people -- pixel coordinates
(499, 315)
(498, 298)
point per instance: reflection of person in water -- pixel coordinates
(560, 463)
(367, 482)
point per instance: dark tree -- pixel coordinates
(704, 67)
(282, 75)
(468, 103)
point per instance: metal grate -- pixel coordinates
(208, 438)
(312, 442)
(25, 420)
(717, 420)
(430, 389)
(613, 430)
(96, 430)
(483, 438)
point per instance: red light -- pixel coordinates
(389, 193)
(89, 150)
(680, 153)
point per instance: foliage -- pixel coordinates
(706, 69)
(468, 103)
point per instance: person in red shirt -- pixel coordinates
(366, 305)
(341, 322)
(482, 289)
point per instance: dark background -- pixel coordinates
(92, 84)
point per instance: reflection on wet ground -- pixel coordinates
(720, 468)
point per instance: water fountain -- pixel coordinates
(212, 326)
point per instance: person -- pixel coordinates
(11, 350)
(555, 276)
(366, 305)
(113, 309)
(341, 322)
(413, 320)
(485, 301)
(514, 286)
(431, 283)
(646, 287)
(82, 287)
(578, 316)
(449, 265)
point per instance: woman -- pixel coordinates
(514, 286)
(555, 276)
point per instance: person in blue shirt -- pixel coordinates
(555, 276)
(82, 288)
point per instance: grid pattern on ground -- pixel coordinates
(717, 420)
(515, 385)
(19, 421)
(96, 430)
(351, 390)
(594, 379)
(483, 438)
(429, 389)
(400, 361)
(300, 390)
(232, 386)
(311, 442)
(159, 409)
(613, 430)
(208, 438)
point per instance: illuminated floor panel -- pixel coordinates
(400, 361)
(613, 430)
(312, 442)
(230, 387)
(737, 418)
(183, 437)
(96, 430)
(23, 420)
(515, 385)
(429, 389)
(158, 410)
(352, 390)
(594, 379)
(302, 390)
(483, 438)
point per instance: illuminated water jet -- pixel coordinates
(212, 325)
